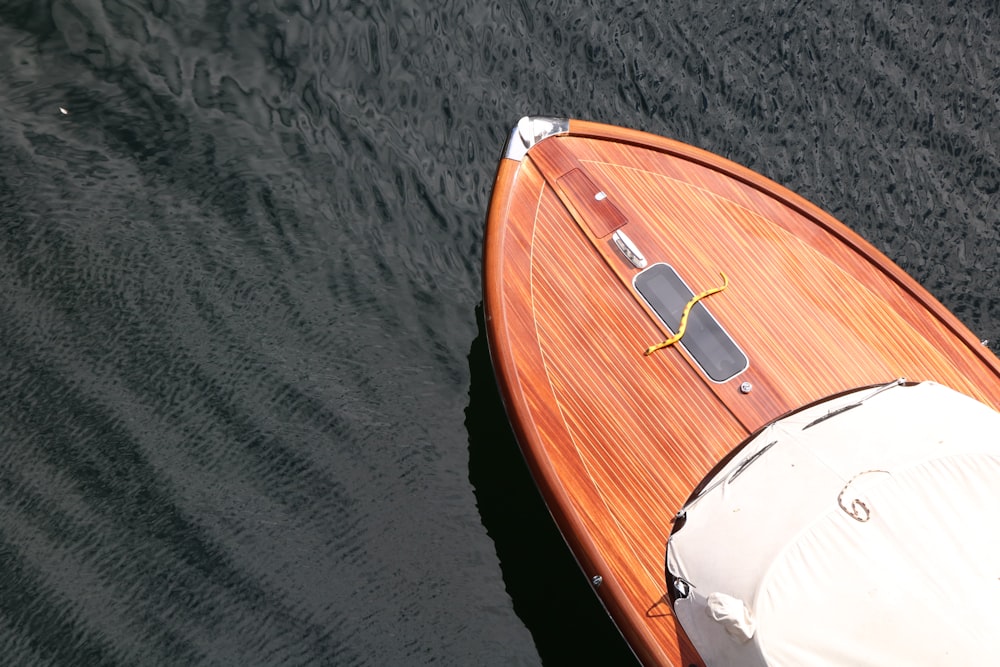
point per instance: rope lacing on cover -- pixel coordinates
(858, 509)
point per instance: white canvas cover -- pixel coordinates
(871, 537)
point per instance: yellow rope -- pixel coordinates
(684, 316)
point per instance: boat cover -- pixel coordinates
(865, 535)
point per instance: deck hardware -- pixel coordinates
(529, 131)
(600, 196)
(745, 463)
(833, 413)
(627, 248)
(597, 580)
(746, 388)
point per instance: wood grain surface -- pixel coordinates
(616, 440)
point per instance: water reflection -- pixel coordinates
(549, 591)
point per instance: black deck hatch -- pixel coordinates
(715, 352)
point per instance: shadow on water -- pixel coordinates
(549, 592)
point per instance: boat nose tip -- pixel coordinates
(530, 130)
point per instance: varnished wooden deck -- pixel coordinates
(617, 440)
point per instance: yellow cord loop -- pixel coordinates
(684, 316)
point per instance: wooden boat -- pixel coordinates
(819, 447)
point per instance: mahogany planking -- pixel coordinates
(617, 440)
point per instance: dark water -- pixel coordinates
(246, 412)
